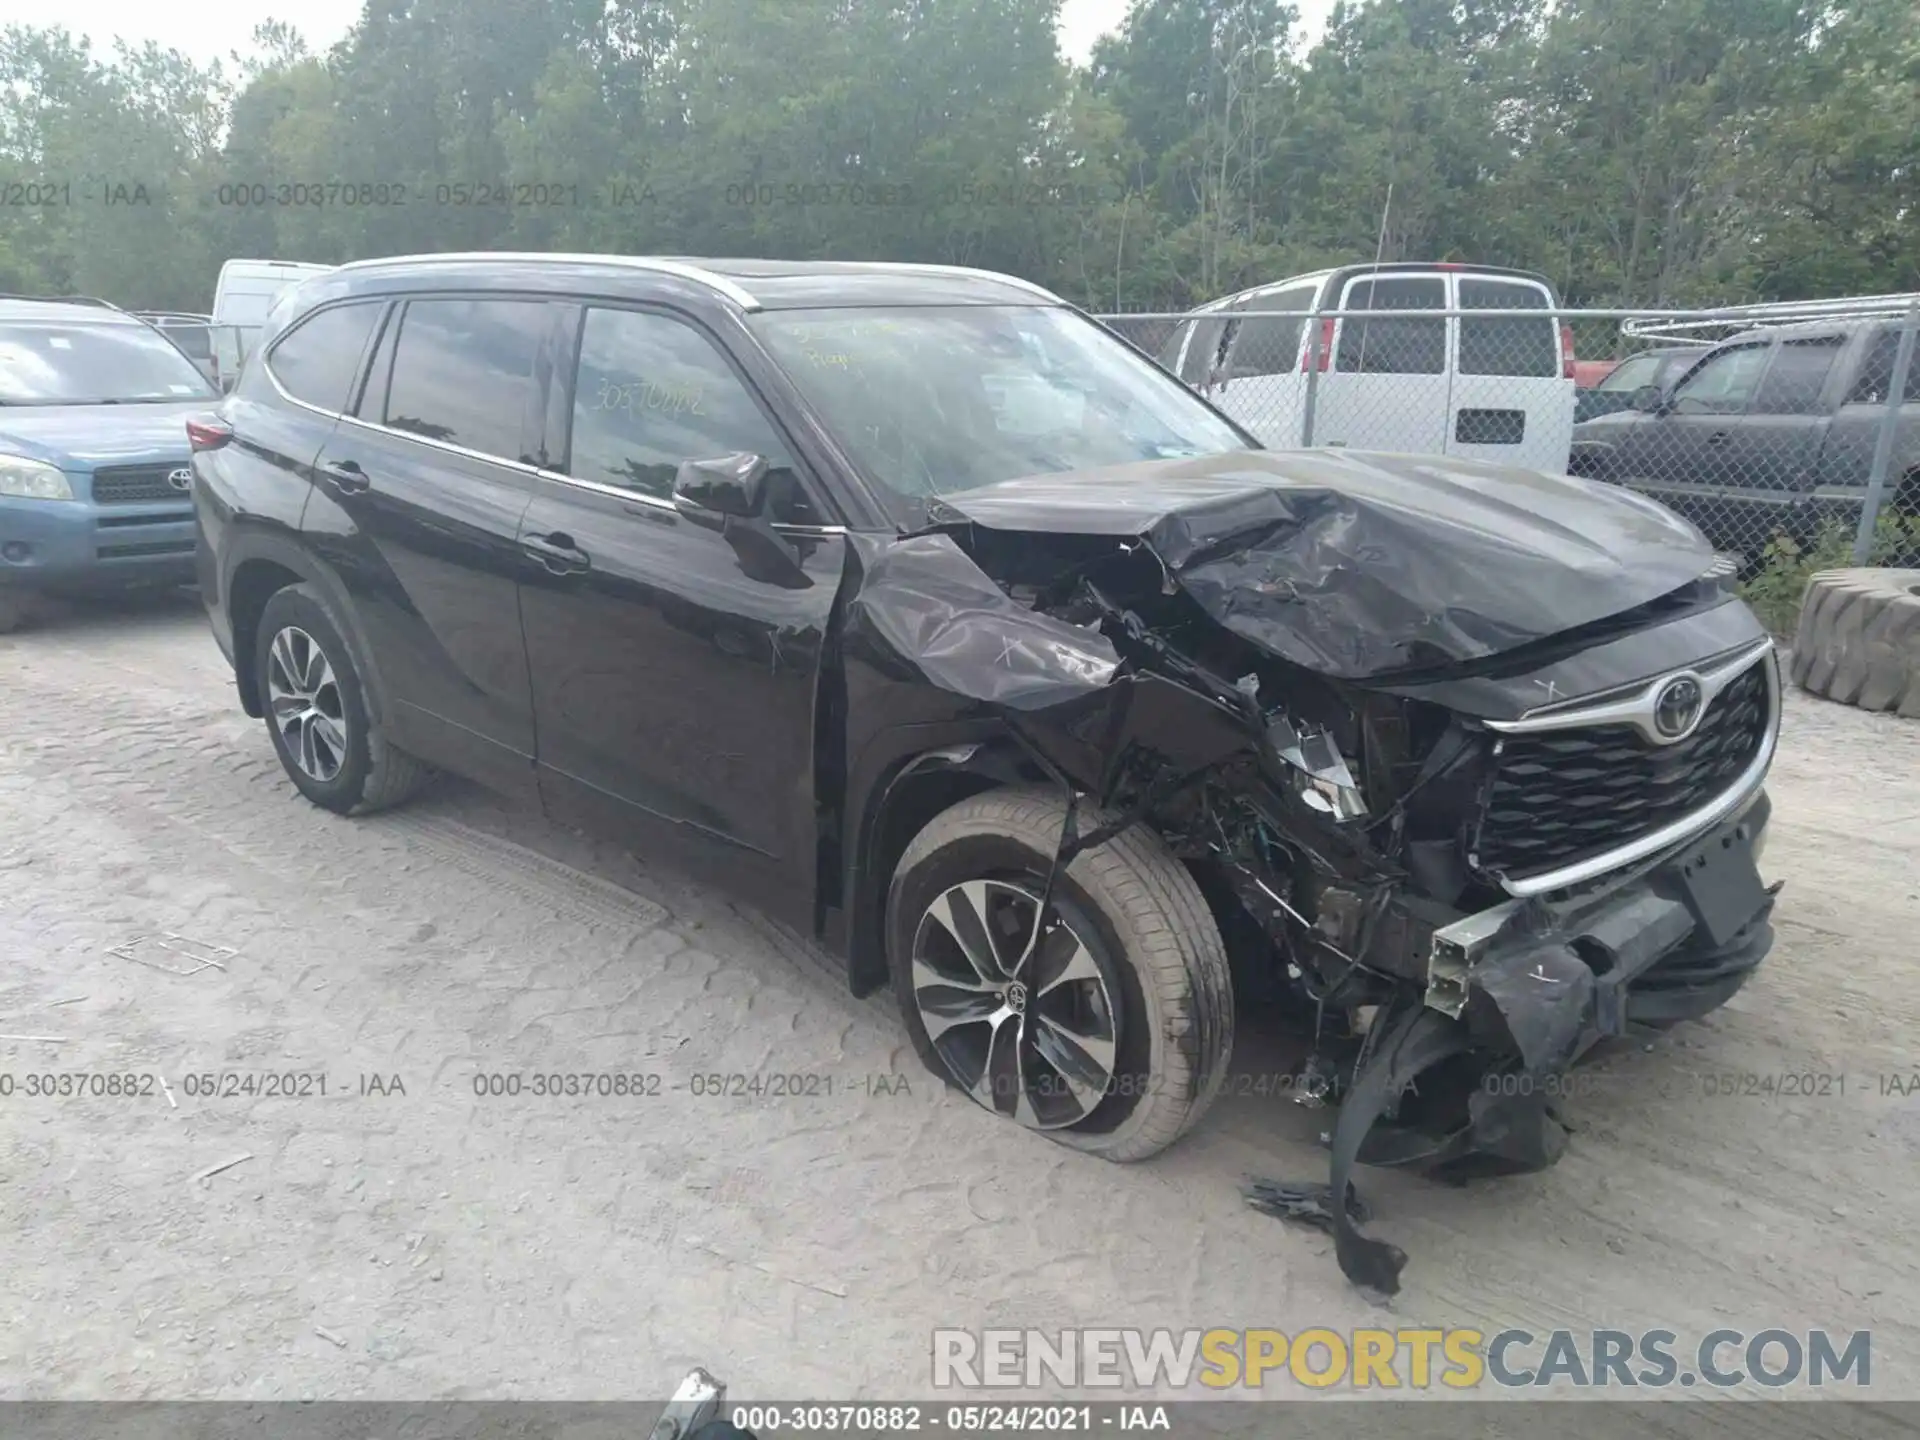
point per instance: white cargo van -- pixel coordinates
(1482, 386)
(245, 293)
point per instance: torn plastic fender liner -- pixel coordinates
(934, 609)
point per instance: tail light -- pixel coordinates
(1566, 351)
(1326, 349)
(208, 433)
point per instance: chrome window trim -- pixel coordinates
(1675, 831)
(724, 285)
(539, 472)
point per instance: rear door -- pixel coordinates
(417, 507)
(1260, 381)
(1511, 400)
(1388, 387)
(675, 663)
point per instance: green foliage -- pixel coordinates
(1776, 589)
(1638, 151)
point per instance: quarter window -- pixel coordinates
(463, 373)
(317, 360)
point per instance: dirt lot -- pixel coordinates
(452, 1245)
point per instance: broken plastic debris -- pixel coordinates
(1333, 790)
(199, 954)
(1309, 1203)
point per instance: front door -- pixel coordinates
(675, 668)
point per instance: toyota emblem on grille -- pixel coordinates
(181, 479)
(1676, 709)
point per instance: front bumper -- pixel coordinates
(76, 545)
(1534, 985)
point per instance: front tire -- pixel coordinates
(316, 711)
(1110, 1029)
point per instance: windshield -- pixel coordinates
(44, 363)
(933, 400)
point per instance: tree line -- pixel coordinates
(1637, 151)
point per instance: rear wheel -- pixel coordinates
(1106, 1024)
(316, 711)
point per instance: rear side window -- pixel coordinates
(317, 360)
(1876, 374)
(1269, 344)
(1387, 346)
(463, 372)
(1797, 376)
(1492, 345)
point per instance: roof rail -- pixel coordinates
(67, 300)
(719, 283)
(1786, 312)
(903, 267)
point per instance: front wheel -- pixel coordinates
(1107, 1023)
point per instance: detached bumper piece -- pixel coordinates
(1463, 1082)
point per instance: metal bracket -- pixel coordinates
(1456, 949)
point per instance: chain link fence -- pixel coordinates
(1779, 431)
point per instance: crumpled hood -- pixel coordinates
(83, 437)
(1356, 564)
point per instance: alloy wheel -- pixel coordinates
(304, 699)
(1023, 1011)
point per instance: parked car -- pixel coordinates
(1771, 432)
(1480, 386)
(1613, 391)
(192, 334)
(94, 473)
(242, 297)
(919, 608)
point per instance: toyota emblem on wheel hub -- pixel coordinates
(1676, 709)
(181, 479)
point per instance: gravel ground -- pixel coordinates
(401, 1236)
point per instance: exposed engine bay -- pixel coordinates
(1456, 888)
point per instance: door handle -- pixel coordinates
(346, 477)
(557, 553)
(1718, 437)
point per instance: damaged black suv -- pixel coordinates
(947, 627)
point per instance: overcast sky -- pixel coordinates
(209, 32)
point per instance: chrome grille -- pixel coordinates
(1563, 796)
(136, 484)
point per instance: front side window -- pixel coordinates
(318, 359)
(463, 373)
(1723, 383)
(937, 399)
(1389, 346)
(652, 393)
(1496, 345)
(46, 362)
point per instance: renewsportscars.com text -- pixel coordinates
(1404, 1359)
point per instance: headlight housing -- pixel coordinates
(27, 479)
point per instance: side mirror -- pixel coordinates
(1649, 400)
(731, 485)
